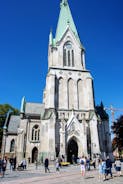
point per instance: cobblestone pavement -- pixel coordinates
(67, 175)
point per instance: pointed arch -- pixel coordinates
(68, 54)
(72, 150)
(71, 93)
(34, 154)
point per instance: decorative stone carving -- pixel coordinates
(20, 131)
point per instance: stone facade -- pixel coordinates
(66, 123)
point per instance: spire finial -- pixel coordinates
(64, 2)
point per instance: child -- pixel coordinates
(104, 169)
(83, 163)
(100, 169)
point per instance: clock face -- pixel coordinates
(68, 45)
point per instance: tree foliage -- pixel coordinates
(117, 129)
(4, 108)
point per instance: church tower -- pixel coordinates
(67, 122)
(69, 91)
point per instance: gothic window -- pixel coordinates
(35, 133)
(64, 57)
(68, 54)
(72, 58)
(12, 145)
(68, 58)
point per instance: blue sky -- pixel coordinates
(24, 32)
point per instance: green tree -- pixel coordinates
(117, 129)
(4, 108)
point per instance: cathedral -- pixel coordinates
(67, 122)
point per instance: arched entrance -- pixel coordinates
(34, 154)
(72, 151)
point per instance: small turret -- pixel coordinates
(51, 38)
(22, 110)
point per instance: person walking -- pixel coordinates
(108, 166)
(46, 165)
(100, 169)
(87, 164)
(118, 166)
(24, 164)
(57, 164)
(11, 164)
(83, 164)
(4, 164)
(104, 169)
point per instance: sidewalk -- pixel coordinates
(67, 175)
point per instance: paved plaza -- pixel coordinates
(67, 175)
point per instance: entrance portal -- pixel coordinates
(72, 151)
(34, 154)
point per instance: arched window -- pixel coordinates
(68, 54)
(12, 145)
(35, 133)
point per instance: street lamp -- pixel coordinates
(5, 134)
(4, 141)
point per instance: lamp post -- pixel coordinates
(5, 134)
(4, 141)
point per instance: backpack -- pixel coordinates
(82, 162)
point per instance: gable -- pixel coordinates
(73, 125)
(69, 36)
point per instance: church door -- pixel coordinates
(72, 151)
(34, 154)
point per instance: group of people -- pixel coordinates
(57, 164)
(104, 167)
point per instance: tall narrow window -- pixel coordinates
(35, 133)
(68, 58)
(68, 55)
(12, 145)
(72, 58)
(64, 57)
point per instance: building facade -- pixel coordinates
(66, 122)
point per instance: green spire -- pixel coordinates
(23, 103)
(65, 21)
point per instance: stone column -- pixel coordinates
(95, 148)
(62, 137)
(52, 136)
(84, 124)
(20, 144)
